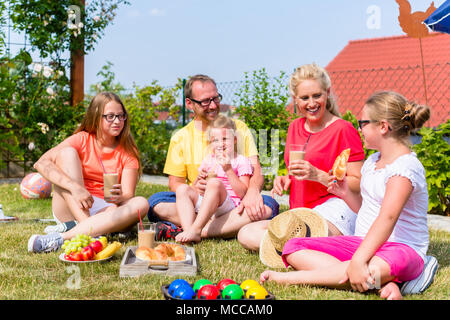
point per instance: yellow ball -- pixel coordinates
(249, 283)
(256, 293)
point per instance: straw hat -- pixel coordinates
(294, 223)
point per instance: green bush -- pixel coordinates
(434, 153)
(152, 138)
(261, 104)
(35, 114)
(34, 117)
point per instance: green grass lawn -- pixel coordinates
(43, 276)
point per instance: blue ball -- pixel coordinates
(184, 292)
(175, 284)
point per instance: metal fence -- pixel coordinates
(352, 88)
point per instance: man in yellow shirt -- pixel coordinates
(188, 147)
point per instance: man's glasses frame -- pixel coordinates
(206, 102)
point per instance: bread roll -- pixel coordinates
(172, 252)
(163, 247)
(146, 254)
(340, 164)
(178, 253)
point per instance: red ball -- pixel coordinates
(208, 292)
(35, 186)
(224, 282)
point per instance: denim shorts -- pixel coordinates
(169, 197)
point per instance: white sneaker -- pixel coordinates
(46, 243)
(423, 281)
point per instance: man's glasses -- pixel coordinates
(205, 103)
(362, 123)
(111, 117)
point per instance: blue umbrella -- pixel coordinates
(439, 20)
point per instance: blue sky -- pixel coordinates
(166, 39)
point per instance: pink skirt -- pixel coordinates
(404, 261)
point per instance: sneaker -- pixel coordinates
(47, 243)
(423, 281)
(60, 227)
(166, 231)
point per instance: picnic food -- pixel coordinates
(340, 164)
(88, 253)
(108, 251)
(77, 243)
(97, 246)
(164, 251)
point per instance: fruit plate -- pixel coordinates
(61, 257)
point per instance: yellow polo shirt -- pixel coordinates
(189, 146)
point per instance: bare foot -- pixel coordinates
(189, 235)
(269, 275)
(391, 292)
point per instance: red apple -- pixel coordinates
(76, 256)
(87, 253)
(68, 257)
(97, 246)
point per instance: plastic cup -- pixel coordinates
(109, 179)
(296, 152)
(146, 234)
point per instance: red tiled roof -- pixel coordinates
(394, 63)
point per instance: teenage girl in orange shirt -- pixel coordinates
(75, 167)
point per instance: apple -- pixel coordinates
(97, 246)
(68, 257)
(87, 253)
(76, 256)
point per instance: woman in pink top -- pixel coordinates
(228, 176)
(102, 143)
(325, 135)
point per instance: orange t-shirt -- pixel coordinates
(90, 156)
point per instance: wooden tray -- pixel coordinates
(134, 267)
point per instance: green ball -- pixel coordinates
(200, 283)
(232, 292)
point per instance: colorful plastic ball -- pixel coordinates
(247, 284)
(35, 186)
(208, 292)
(175, 284)
(232, 292)
(224, 282)
(184, 292)
(257, 293)
(200, 283)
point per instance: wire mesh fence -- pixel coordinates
(352, 88)
(429, 86)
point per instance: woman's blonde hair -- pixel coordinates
(91, 123)
(403, 116)
(314, 72)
